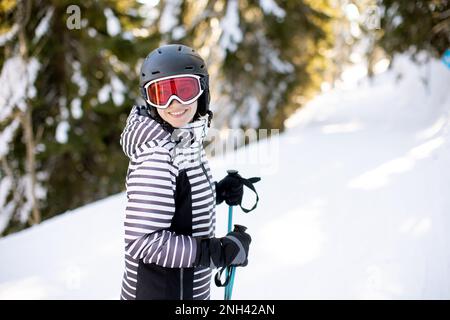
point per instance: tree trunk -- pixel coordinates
(26, 118)
(27, 126)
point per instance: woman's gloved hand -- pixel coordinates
(231, 250)
(230, 189)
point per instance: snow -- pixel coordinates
(129, 35)
(62, 132)
(169, 16)
(92, 32)
(248, 116)
(5, 187)
(71, 255)
(149, 2)
(231, 33)
(116, 88)
(276, 96)
(271, 7)
(252, 118)
(17, 78)
(381, 66)
(103, 93)
(352, 12)
(6, 136)
(353, 205)
(63, 128)
(63, 111)
(25, 184)
(5, 217)
(4, 38)
(75, 108)
(112, 23)
(178, 32)
(118, 91)
(78, 79)
(272, 56)
(150, 12)
(279, 65)
(43, 25)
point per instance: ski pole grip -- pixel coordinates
(239, 228)
(232, 172)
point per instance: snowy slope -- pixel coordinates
(73, 256)
(353, 204)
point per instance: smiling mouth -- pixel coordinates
(178, 113)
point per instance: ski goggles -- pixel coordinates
(186, 88)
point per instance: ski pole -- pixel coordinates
(230, 272)
(229, 286)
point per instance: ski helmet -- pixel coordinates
(175, 59)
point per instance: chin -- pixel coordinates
(179, 123)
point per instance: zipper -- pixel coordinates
(182, 269)
(181, 283)
(207, 177)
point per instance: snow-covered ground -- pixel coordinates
(354, 204)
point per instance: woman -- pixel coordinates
(170, 248)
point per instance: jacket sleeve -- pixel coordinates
(149, 212)
(132, 134)
(138, 130)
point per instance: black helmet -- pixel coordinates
(174, 59)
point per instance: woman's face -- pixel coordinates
(177, 114)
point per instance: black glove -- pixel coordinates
(231, 250)
(230, 189)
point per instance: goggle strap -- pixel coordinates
(203, 83)
(144, 93)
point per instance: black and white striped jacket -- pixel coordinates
(171, 202)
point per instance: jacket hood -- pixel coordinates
(141, 130)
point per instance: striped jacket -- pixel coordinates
(171, 203)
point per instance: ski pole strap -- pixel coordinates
(249, 184)
(217, 278)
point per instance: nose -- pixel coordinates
(175, 104)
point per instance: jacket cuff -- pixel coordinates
(198, 254)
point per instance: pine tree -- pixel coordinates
(74, 68)
(78, 81)
(265, 57)
(415, 25)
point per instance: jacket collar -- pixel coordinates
(193, 132)
(142, 129)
